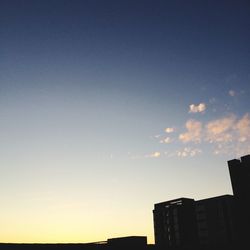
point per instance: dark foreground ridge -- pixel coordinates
(129, 242)
(99, 246)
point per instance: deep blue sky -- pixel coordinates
(123, 103)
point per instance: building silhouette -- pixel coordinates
(220, 222)
(186, 223)
(174, 223)
(129, 242)
(239, 170)
(215, 222)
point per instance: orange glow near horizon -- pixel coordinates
(70, 224)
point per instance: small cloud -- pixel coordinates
(170, 154)
(197, 108)
(157, 136)
(212, 100)
(231, 92)
(188, 152)
(166, 140)
(155, 154)
(169, 130)
(193, 134)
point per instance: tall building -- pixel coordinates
(186, 223)
(215, 224)
(174, 223)
(239, 170)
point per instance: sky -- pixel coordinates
(108, 107)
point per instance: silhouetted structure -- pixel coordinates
(174, 223)
(220, 222)
(121, 243)
(130, 242)
(186, 223)
(240, 177)
(239, 170)
(215, 222)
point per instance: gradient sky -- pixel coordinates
(108, 107)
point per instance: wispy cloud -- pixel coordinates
(212, 100)
(229, 129)
(193, 134)
(188, 152)
(155, 154)
(243, 128)
(197, 108)
(226, 135)
(169, 130)
(220, 130)
(156, 136)
(231, 92)
(166, 140)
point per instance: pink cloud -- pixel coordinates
(220, 129)
(193, 134)
(197, 108)
(243, 128)
(169, 130)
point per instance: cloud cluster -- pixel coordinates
(225, 129)
(229, 129)
(197, 108)
(220, 130)
(193, 134)
(226, 134)
(243, 128)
